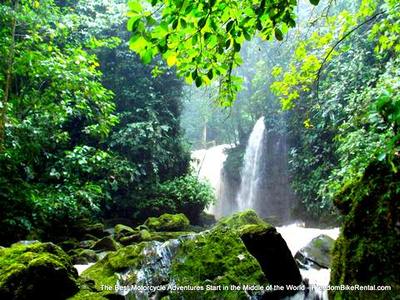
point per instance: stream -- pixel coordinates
(298, 236)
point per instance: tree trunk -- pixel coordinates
(8, 81)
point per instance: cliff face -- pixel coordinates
(368, 249)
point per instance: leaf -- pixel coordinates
(202, 22)
(135, 6)
(147, 56)
(314, 2)
(171, 60)
(198, 81)
(236, 46)
(278, 34)
(210, 74)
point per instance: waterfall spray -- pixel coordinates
(251, 170)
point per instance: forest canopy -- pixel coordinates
(203, 38)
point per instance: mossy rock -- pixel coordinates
(104, 272)
(84, 256)
(145, 235)
(240, 250)
(367, 251)
(121, 231)
(245, 218)
(36, 271)
(87, 244)
(168, 222)
(106, 244)
(317, 253)
(216, 257)
(68, 245)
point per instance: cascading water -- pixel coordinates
(251, 171)
(208, 163)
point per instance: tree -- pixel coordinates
(57, 113)
(203, 38)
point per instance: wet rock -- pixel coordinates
(36, 271)
(266, 245)
(105, 244)
(145, 235)
(216, 258)
(168, 222)
(239, 250)
(317, 253)
(84, 257)
(121, 231)
(106, 271)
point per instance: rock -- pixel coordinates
(367, 251)
(104, 272)
(145, 235)
(317, 253)
(239, 250)
(36, 271)
(69, 244)
(217, 258)
(87, 244)
(168, 222)
(266, 245)
(88, 236)
(96, 230)
(84, 257)
(206, 220)
(105, 244)
(121, 231)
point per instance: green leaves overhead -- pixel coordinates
(203, 38)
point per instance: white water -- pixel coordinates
(81, 268)
(251, 172)
(208, 164)
(297, 237)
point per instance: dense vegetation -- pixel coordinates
(86, 130)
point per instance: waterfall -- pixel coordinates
(208, 163)
(251, 171)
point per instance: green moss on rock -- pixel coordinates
(104, 271)
(367, 251)
(217, 257)
(106, 244)
(121, 231)
(317, 252)
(35, 271)
(241, 249)
(168, 222)
(245, 218)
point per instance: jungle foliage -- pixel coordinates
(86, 131)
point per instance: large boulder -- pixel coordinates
(317, 253)
(168, 222)
(36, 271)
(216, 258)
(266, 245)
